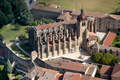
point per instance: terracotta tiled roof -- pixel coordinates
(92, 38)
(116, 71)
(66, 64)
(65, 16)
(77, 76)
(52, 5)
(46, 26)
(39, 7)
(107, 70)
(2, 52)
(109, 39)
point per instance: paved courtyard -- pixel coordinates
(86, 57)
(101, 35)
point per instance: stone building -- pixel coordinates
(63, 37)
(66, 64)
(110, 72)
(105, 22)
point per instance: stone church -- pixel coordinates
(63, 37)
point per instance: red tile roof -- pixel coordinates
(116, 71)
(77, 76)
(46, 26)
(65, 16)
(109, 39)
(106, 70)
(52, 5)
(92, 38)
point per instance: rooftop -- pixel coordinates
(109, 39)
(106, 70)
(46, 26)
(116, 71)
(67, 63)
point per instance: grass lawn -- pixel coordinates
(104, 6)
(21, 54)
(10, 33)
(116, 42)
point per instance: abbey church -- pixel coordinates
(63, 37)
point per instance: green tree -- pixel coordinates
(17, 26)
(8, 67)
(107, 58)
(115, 60)
(44, 3)
(97, 56)
(117, 8)
(3, 19)
(25, 16)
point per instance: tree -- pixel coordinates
(107, 58)
(17, 26)
(3, 19)
(8, 67)
(97, 56)
(117, 8)
(25, 16)
(44, 3)
(115, 60)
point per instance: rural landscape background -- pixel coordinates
(104, 6)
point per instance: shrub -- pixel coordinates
(1, 67)
(17, 26)
(44, 3)
(8, 67)
(18, 77)
(115, 60)
(97, 56)
(22, 37)
(107, 58)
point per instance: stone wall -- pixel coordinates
(23, 64)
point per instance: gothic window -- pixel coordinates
(117, 53)
(111, 51)
(45, 50)
(105, 50)
(83, 24)
(67, 45)
(56, 47)
(51, 49)
(61, 46)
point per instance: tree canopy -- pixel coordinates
(8, 67)
(115, 60)
(107, 58)
(96, 57)
(12, 9)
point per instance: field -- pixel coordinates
(10, 33)
(104, 6)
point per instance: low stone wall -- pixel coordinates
(23, 64)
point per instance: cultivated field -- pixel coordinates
(104, 6)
